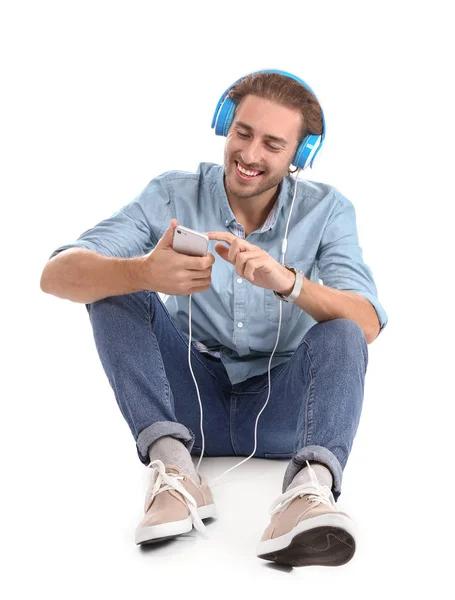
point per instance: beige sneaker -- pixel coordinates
(306, 528)
(173, 504)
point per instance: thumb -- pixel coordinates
(168, 235)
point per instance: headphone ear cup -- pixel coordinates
(298, 161)
(225, 117)
(306, 151)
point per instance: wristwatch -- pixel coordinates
(297, 286)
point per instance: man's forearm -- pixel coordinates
(84, 276)
(324, 304)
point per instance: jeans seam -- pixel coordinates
(308, 421)
(161, 365)
(232, 407)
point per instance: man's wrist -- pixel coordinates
(134, 273)
(290, 285)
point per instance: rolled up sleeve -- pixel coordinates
(340, 258)
(131, 231)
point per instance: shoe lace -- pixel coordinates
(315, 491)
(163, 482)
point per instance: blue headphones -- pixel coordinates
(308, 147)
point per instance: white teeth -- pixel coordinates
(249, 173)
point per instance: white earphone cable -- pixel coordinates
(283, 251)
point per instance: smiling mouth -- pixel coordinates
(247, 174)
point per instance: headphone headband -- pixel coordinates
(307, 149)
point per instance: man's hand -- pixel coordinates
(169, 272)
(253, 264)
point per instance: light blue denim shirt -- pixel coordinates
(235, 319)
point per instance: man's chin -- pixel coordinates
(237, 189)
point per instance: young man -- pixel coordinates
(118, 267)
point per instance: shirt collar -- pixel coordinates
(226, 211)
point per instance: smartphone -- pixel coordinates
(188, 241)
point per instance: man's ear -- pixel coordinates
(289, 170)
(295, 150)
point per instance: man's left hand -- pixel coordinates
(253, 264)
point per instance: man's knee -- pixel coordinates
(338, 335)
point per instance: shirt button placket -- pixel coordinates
(240, 316)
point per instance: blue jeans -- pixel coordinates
(313, 410)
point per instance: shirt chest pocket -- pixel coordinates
(272, 304)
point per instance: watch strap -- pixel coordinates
(297, 286)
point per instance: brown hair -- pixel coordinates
(285, 91)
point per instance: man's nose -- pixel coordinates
(251, 154)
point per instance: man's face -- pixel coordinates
(263, 137)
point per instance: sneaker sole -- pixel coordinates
(169, 530)
(327, 540)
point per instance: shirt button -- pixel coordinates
(227, 222)
(239, 280)
(240, 324)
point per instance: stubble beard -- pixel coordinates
(239, 191)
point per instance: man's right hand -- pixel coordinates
(166, 271)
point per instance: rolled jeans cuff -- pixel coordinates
(317, 454)
(158, 430)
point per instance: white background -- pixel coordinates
(97, 99)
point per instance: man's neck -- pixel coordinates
(252, 212)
